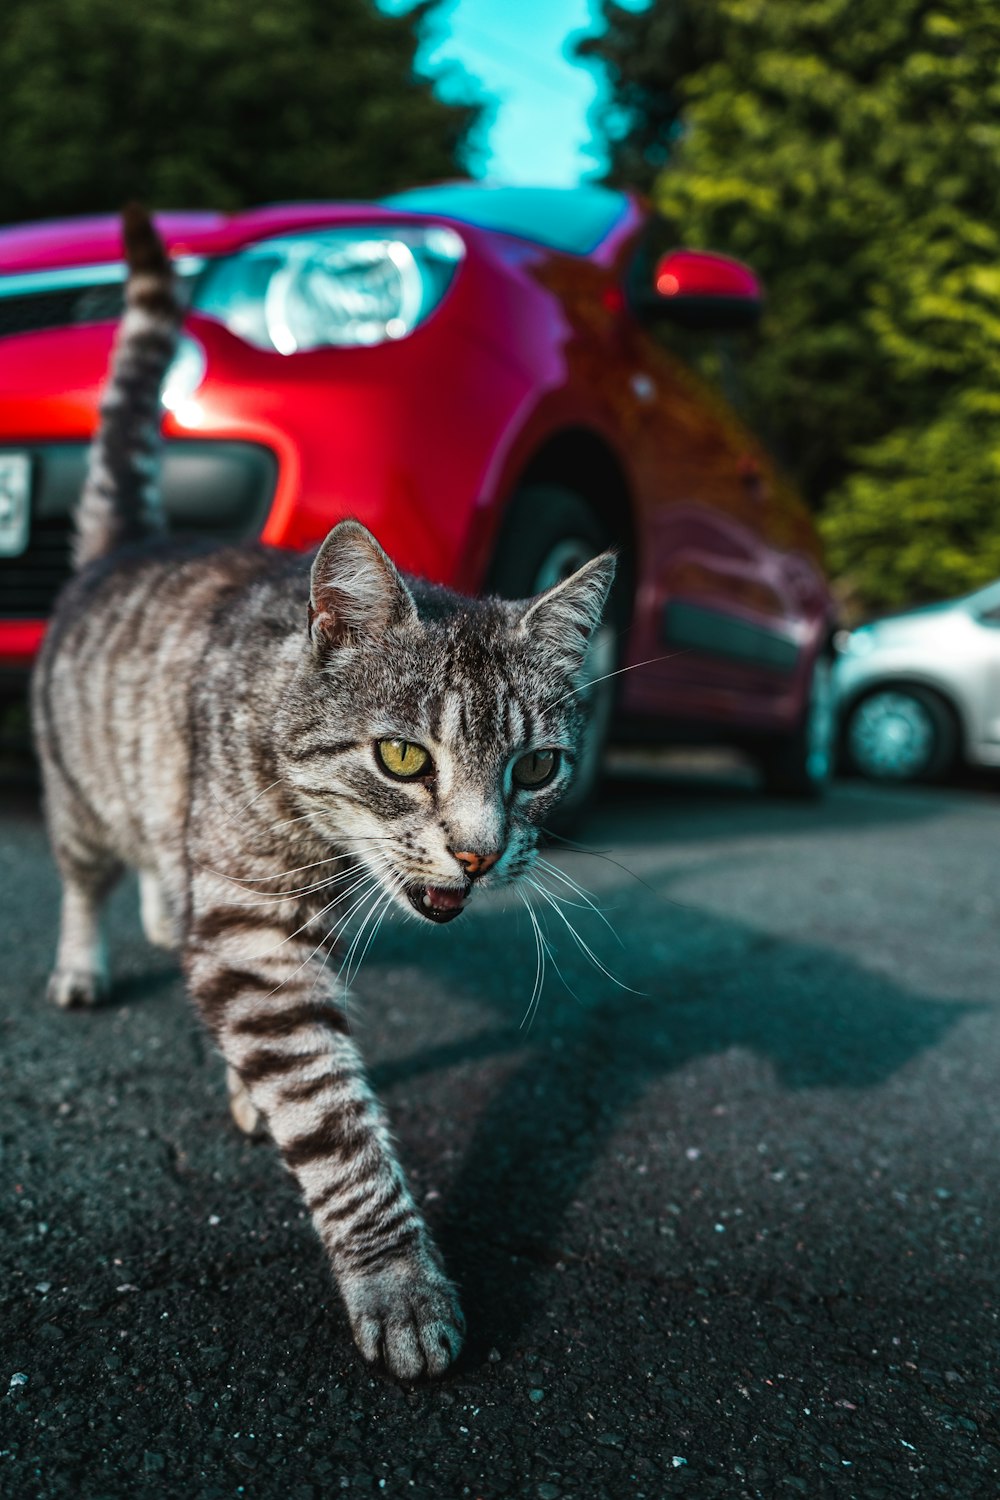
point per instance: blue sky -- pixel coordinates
(516, 52)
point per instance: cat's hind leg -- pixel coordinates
(80, 976)
(158, 921)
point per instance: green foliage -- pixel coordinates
(850, 150)
(213, 103)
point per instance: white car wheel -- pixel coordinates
(900, 734)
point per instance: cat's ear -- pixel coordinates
(355, 592)
(565, 617)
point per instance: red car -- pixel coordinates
(469, 371)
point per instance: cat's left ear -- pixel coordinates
(565, 617)
(356, 592)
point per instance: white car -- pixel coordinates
(919, 691)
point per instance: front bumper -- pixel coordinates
(219, 489)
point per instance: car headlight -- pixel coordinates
(349, 288)
(860, 642)
(184, 375)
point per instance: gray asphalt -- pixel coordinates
(731, 1231)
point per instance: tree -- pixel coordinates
(850, 150)
(215, 104)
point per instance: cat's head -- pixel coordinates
(430, 734)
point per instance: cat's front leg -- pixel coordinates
(278, 1027)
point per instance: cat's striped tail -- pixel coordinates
(120, 501)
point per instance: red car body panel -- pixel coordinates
(427, 438)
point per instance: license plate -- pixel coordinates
(15, 503)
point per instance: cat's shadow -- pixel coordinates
(547, 1099)
(132, 989)
(816, 1017)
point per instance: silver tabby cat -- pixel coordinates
(274, 743)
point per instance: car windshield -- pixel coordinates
(984, 601)
(573, 219)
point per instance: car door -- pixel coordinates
(733, 585)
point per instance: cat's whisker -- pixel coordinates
(232, 817)
(380, 894)
(332, 937)
(587, 896)
(275, 898)
(396, 885)
(229, 819)
(238, 880)
(389, 898)
(322, 942)
(298, 969)
(246, 882)
(598, 854)
(593, 681)
(330, 940)
(578, 940)
(550, 949)
(541, 949)
(541, 869)
(313, 917)
(251, 880)
(295, 870)
(343, 922)
(285, 822)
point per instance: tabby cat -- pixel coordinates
(276, 743)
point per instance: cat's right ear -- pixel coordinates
(355, 592)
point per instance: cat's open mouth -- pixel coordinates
(438, 903)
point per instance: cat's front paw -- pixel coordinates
(73, 988)
(405, 1318)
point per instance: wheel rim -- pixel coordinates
(892, 736)
(820, 724)
(597, 687)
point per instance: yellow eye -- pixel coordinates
(402, 759)
(536, 769)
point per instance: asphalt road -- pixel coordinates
(731, 1232)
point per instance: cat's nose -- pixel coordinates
(475, 865)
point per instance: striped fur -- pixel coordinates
(120, 501)
(210, 719)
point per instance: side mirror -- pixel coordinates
(699, 289)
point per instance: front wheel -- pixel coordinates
(549, 533)
(800, 764)
(901, 733)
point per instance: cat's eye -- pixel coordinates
(536, 769)
(404, 759)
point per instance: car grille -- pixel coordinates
(29, 583)
(28, 312)
(66, 297)
(218, 490)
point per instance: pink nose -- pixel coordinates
(475, 865)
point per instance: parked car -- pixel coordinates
(471, 372)
(919, 692)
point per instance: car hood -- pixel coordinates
(58, 243)
(932, 629)
(909, 622)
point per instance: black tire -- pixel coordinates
(900, 732)
(800, 764)
(547, 533)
